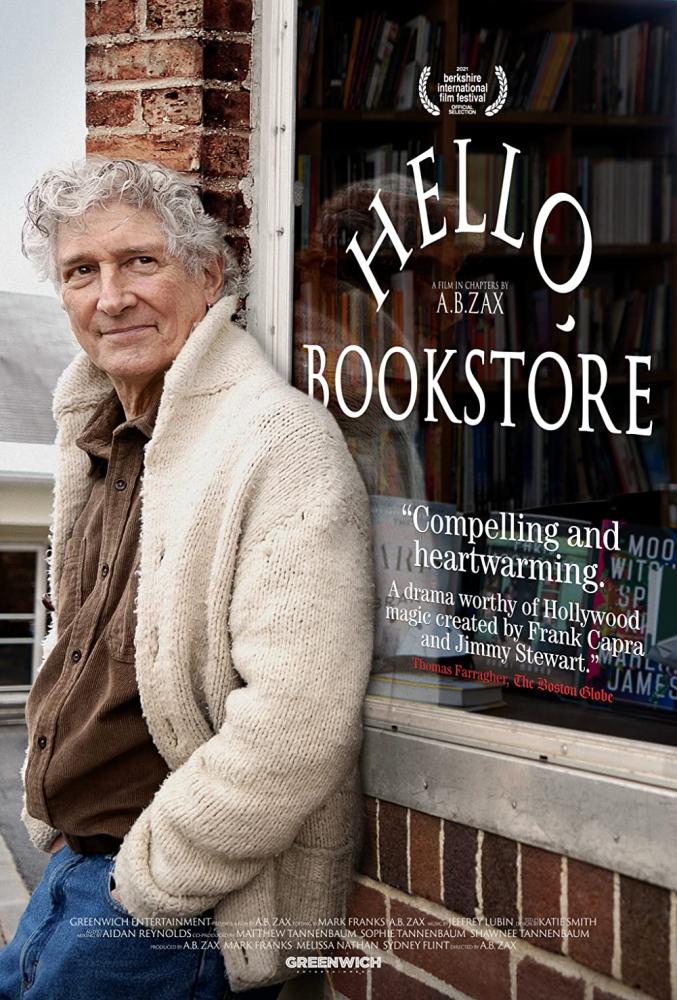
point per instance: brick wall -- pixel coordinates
(169, 80)
(425, 874)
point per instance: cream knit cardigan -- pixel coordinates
(253, 643)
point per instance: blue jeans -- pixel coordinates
(76, 942)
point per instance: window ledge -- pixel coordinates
(594, 798)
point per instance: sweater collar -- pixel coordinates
(214, 357)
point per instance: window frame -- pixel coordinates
(646, 769)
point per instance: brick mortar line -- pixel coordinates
(519, 886)
(164, 83)
(564, 899)
(512, 971)
(140, 128)
(238, 131)
(133, 130)
(616, 963)
(224, 185)
(378, 839)
(142, 14)
(440, 847)
(170, 35)
(134, 86)
(408, 814)
(479, 889)
(523, 948)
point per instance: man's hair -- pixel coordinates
(65, 194)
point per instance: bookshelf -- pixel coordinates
(596, 133)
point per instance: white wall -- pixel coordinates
(25, 505)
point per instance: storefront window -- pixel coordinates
(524, 518)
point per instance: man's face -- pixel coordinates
(131, 305)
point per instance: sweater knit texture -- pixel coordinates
(253, 643)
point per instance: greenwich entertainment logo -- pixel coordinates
(461, 91)
(333, 962)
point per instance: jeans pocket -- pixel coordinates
(108, 886)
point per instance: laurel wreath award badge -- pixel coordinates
(461, 91)
(494, 108)
(423, 92)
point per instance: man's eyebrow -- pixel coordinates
(150, 249)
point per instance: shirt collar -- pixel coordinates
(107, 421)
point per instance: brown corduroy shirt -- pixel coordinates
(92, 766)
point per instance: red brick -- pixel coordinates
(392, 834)
(239, 248)
(164, 14)
(389, 984)
(109, 17)
(536, 981)
(110, 109)
(229, 206)
(499, 878)
(227, 107)
(175, 106)
(645, 938)
(228, 15)
(424, 853)
(460, 865)
(351, 983)
(225, 155)
(167, 57)
(541, 886)
(227, 60)
(591, 894)
(368, 862)
(367, 903)
(178, 152)
(470, 963)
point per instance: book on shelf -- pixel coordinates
(627, 72)
(376, 61)
(536, 64)
(535, 177)
(309, 23)
(627, 201)
(637, 323)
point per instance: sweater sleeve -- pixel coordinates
(301, 631)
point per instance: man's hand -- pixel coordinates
(114, 893)
(57, 844)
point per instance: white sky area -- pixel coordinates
(42, 115)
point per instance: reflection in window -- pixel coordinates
(359, 124)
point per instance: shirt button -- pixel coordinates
(104, 569)
(42, 742)
(47, 602)
(76, 656)
(120, 484)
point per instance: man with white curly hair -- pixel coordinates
(195, 726)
